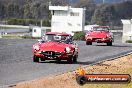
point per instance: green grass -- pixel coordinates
(98, 86)
(129, 70)
(11, 37)
(1, 28)
(129, 41)
(17, 36)
(126, 85)
(129, 85)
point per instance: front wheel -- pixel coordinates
(88, 43)
(75, 58)
(109, 44)
(35, 59)
(70, 61)
(58, 60)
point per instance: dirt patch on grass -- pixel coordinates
(119, 66)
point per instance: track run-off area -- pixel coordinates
(16, 63)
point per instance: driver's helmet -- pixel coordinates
(63, 38)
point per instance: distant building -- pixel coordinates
(36, 32)
(127, 30)
(67, 19)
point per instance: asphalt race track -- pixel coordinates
(16, 59)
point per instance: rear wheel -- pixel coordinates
(88, 43)
(109, 44)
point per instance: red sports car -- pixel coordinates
(55, 46)
(99, 34)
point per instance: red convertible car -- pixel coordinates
(55, 46)
(99, 34)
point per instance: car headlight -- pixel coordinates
(108, 36)
(87, 34)
(68, 50)
(36, 47)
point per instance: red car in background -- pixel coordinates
(55, 46)
(99, 34)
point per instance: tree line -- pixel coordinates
(31, 11)
(106, 14)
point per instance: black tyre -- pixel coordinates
(75, 58)
(70, 60)
(109, 44)
(88, 43)
(58, 60)
(81, 80)
(35, 59)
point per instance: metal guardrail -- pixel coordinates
(27, 27)
(116, 30)
(0, 35)
(20, 26)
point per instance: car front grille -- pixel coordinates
(51, 53)
(96, 38)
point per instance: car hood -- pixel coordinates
(54, 46)
(98, 34)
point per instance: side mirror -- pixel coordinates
(40, 40)
(75, 43)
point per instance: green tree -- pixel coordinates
(104, 15)
(60, 2)
(27, 9)
(12, 10)
(90, 8)
(2, 11)
(35, 9)
(44, 12)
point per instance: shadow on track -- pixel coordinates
(115, 45)
(65, 62)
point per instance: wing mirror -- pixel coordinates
(75, 44)
(40, 40)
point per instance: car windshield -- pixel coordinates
(100, 29)
(57, 38)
